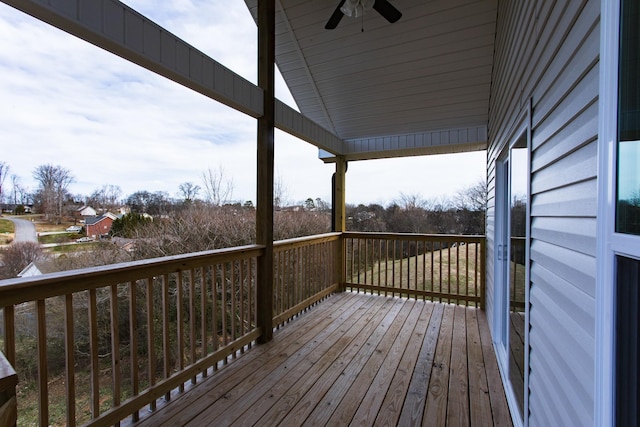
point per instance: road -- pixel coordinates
(25, 231)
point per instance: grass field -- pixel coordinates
(6, 231)
(454, 271)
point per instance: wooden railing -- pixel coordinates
(305, 272)
(440, 268)
(124, 337)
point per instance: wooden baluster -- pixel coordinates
(232, 287)
(166, 338)
(93, 350)
(151, 342)
(416, 269)
(203, 316)
(133, 343)
(458, 273)
(243, 326)
(214, 309)
(180, 328)
(225, 309)
(9, 334)
(291, 278)
(278, 305)
(393, 268)
(440, 269)
(69, 346)
(449, 284)
(116, 375)
(379, 261)
(466, 273)
(296, 276)
(192, 320)
(386, 267)
(424, 268)
(43, 371)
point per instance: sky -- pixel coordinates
(68, 103)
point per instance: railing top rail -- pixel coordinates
(300, 241)
(19, 290)
(415, 236)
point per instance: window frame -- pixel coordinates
(610, 244)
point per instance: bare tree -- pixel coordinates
(195, 228)
(473, 197)
(17, 256)
(471, 206)
(280, 196)
(218, 189)
(189, 191)
(54, 183)
(105, 198)
(16, 188)
(4, 171)
(411, 201)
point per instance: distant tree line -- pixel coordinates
(628, 214)
(463, 213)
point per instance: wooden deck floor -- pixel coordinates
(357, 359)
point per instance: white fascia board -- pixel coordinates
(416, 144)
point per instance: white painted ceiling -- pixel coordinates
(429, 72)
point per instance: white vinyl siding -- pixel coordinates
(548, 52)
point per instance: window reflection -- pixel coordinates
(517, 269)
(628, 209)
(628, 180)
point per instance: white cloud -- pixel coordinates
(68, 103)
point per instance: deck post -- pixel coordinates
(339, 218)
(264, 211)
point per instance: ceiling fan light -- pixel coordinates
(349, 7)
(356, 8)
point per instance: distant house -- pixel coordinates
(97, 226)
(36, 268)
(84, 212)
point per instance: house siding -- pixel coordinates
(547, 54)
(103, 226)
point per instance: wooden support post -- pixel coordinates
(8, 403)
(264, 211)
(339, 218)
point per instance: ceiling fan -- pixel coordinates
(357, 8)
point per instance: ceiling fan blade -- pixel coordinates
(386, 9)
(335, 18)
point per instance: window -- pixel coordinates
(628, 177)
(627, 341)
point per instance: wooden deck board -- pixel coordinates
(416, 397)
(458, 398)
(302, 375)
(395, 395)
(356, 359)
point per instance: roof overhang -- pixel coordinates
(417, 86)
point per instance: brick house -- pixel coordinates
(97, 226)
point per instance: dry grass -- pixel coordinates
(6, 232)
(454, 271)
